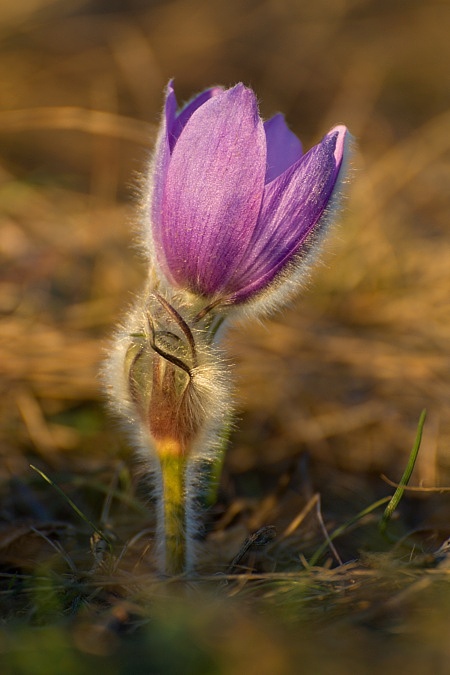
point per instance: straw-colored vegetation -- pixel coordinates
(329, 392)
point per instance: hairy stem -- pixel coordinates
(173, 469)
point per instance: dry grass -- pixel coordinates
(329, 392)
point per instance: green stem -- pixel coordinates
(173, 468)
(212, 471)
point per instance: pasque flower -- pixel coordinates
(233, 212)
(234, 205)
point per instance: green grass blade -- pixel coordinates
(73, 505)
(342, 528)
(398, 494)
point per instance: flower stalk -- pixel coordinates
(174, 536)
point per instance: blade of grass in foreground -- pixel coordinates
(393, 501)
(398, 494)
(340, 530)
(73, 506)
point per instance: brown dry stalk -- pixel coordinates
(97, 122)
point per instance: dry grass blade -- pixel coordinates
(96, 122)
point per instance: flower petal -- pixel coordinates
(213, 192)
(161, 154)
(293, 205)
(283, 147)
(187, 111)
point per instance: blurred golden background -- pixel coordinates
(344, 373)
(329, 392)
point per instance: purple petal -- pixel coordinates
(283, 147)
(341, 140)
(213, 192)
(185, 114)
(293, 205)
(161, 154)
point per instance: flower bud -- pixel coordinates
(167, 381)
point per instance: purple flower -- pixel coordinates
(235, 204)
